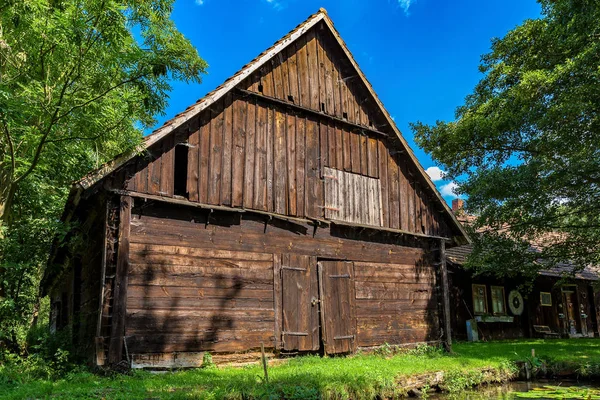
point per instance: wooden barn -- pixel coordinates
(284, 208)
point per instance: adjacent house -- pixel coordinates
(559, 304)
(283, 209)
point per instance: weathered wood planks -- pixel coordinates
(352, 197)
(299, 313)
(198, 299)
(251, 152)
(184, 270)
(119, 308)
(338, 311)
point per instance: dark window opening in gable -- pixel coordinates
(180, 171)
(260, 87)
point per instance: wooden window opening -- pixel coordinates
(479, 299)
(181, 170)
(498, 300)
(546, 299)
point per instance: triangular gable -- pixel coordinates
(234, 81)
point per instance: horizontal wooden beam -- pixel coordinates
(391, 230)
(315, 222)
(183, 202)
(273, 100)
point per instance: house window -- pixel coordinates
(498, 302)
(545, 299)
(479, 299)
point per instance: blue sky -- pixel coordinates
(421, 56)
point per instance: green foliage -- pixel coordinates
(79, 82)
(207, 361)
(524, 146)
(310, 377)
(421, 349)
(558, 392)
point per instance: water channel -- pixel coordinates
(528, 390)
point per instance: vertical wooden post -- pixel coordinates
(264, 361)
(100, 354)
(115, 349)
(277, 299)
(446, 297)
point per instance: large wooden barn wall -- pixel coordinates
(189, 291)
(80, 283)
(246, 151)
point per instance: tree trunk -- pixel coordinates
(7, 194)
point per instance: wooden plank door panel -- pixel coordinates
(338, 319)
(300, 293)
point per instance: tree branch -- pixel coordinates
(93, 99)
(11, 146)
(53, 120)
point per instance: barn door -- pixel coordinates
(338, 322)
(300, 306)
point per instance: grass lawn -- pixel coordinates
(358, 377)
(577, 351)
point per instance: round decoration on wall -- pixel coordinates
(515, 302)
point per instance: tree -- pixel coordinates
(79, 81)
(525, 146)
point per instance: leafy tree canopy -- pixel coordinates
(79, 81)
(525, 146)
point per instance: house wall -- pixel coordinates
(461, 301)
(215, 285)
(534, 312)
(551, 315)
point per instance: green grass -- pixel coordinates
(557, 350)
(358, 377)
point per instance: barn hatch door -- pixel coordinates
(338, 320)
(300, 308)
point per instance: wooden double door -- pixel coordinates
(318, 305)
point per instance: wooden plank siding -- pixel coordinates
(255, 152)
(190, 291)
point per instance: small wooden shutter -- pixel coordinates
(338, 319)
(300, 313)
(352, 197)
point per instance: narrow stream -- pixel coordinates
(510, 391)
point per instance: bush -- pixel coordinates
(46, 357)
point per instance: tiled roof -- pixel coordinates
(458, 255)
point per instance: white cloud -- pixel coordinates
(405, 4)
(199, 2)
(448, 190)
(277, 5)
(435, 173)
